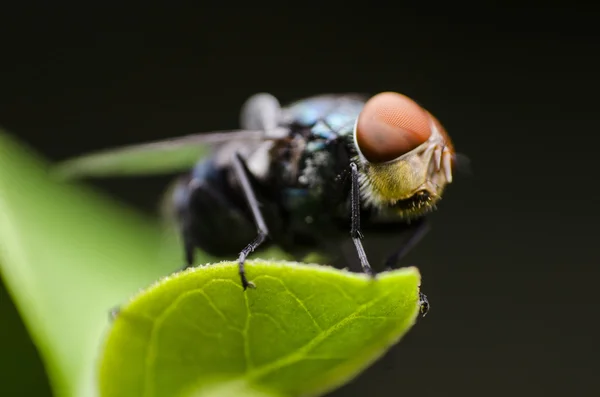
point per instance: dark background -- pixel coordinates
(510, 266)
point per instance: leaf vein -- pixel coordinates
(273, 320)
(301, 352)
(298, 300)
(217, 310)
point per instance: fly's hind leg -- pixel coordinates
(181, 200)
(241, 172)
(189, 248)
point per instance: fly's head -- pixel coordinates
(405, 155)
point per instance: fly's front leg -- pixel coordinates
(423, 304)
(263, 232)
(355, 218)
(416, 232)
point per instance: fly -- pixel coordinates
(301, 177)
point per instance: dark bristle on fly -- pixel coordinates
(418, 200)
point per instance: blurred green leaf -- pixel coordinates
(67, 256)
(304, 330)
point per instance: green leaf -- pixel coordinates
(68, 256)
(304, 330)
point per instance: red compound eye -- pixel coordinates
(389, 126)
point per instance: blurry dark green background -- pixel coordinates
(510, 267)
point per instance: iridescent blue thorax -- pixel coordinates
(311, 166)
(328, 116)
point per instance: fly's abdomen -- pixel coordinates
(209, 215)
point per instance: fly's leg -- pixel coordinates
(355, 224)
(189, 247)
(263, 232)
(181, 200)
(414, 234)
(423, 304)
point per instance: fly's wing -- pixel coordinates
(154, 158)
